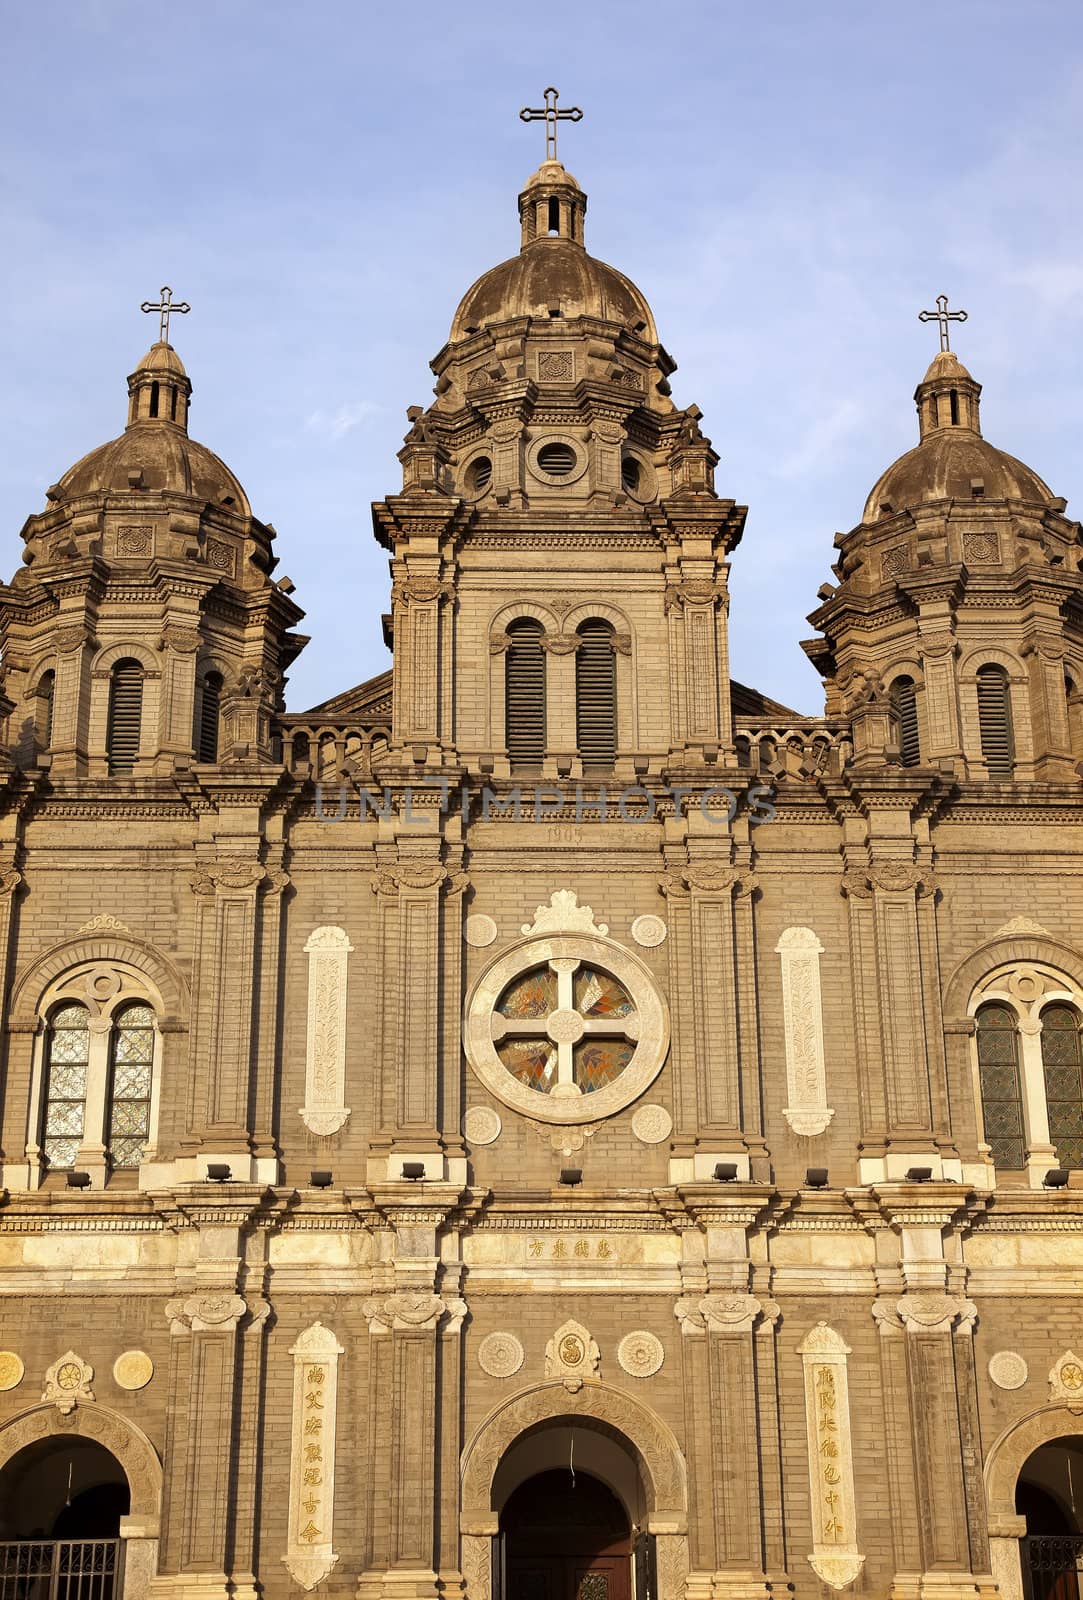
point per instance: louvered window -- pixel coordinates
(68, 1055)
(596, 694)
(995, 721)
(1062, 1065)
(125, 715)
(904, 700)
(131, 1065)
(210, 699)
(524, 692)
(47, 694)
(1001, 1094)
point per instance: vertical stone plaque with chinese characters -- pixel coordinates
(806, 1080)
(309, 1555)
(835, 1557)
(324, 1110)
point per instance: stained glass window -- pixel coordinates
(1001, 1096)
(1062, 1061)
(132, 1052)
(68, 1050)
(567, 1027)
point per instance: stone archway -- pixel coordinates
(1003, 1465)
(136, 1455)
(643, 1432)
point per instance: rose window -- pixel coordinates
(566, 1029)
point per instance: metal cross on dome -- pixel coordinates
(550, 116)
(164, 308)
(943, 316)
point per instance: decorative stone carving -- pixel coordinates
(183, 641)
(1021, 925)
(649, 931)
(206, 1313)
(133, 1370)
(220, 556)
(410, 1309)
(1008, 1370)
(671, 1551)
(730, 1313)
(895, 560)
(67, 1382)
(105, 923)
(324, 1111)
(481, 1125)
(310, 1554)
(652, 1124)
(10, 880)
(984, 546)
(11, 1370)
(572, 1356)
(238, 873)
(135, 539)
(640, 1354)
(835, 1556)
(1066, 1382)
(561, 644)
(477, 1561)
(480, 930)
(935, 1313)
(808, 1112)
(564, 914)
(500, 1355)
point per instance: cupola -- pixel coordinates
(552, 206)
(159, 389)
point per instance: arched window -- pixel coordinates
(131, 1068)
(995, 720)
(209, 704)
(904, 701)
(1062, 1067)
(524, 692)
(1001, 1094)
(125, 721)
(596, 694)
(67, 1060)
(46, 696)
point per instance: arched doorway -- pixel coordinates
(61, 1501)
(566, 1536)
(1049, 1497)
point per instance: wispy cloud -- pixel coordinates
(334, 425)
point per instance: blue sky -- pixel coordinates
(789, 184)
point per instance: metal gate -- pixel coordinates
(60, 1569)
(1052, 1563)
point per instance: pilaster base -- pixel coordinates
(402, 1583)
(195, 1586)
(734, 1585)
(943, 1586)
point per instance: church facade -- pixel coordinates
(549, 1123)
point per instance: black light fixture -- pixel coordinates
(725, 1171)
(320, 1179)
(1056, 1178)
(919, 1174)
(413, 1170)
(78, 1180)
(816, 1178)
(218, 1172)
(571, 1175)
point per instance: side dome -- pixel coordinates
(952, 461)
(154, 452)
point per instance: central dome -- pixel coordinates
(553, 277)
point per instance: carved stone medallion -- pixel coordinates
(67, 1382)
(1008, 1370)
(572, 1355)
(1066, 1381)
(640, 1354)
(649, 931)
(11, 1370)
(480, 930)
(652, 1124)
(481, 1125)
(500, 1355)
(133, 1370)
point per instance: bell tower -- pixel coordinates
(144, 632)
(954, 637)
(558, 543)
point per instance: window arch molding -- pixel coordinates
(1029, 991)
(101, 673)
(38, 980)
(104, 991)
(495, 707)
(991, 656)
(624, 651)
